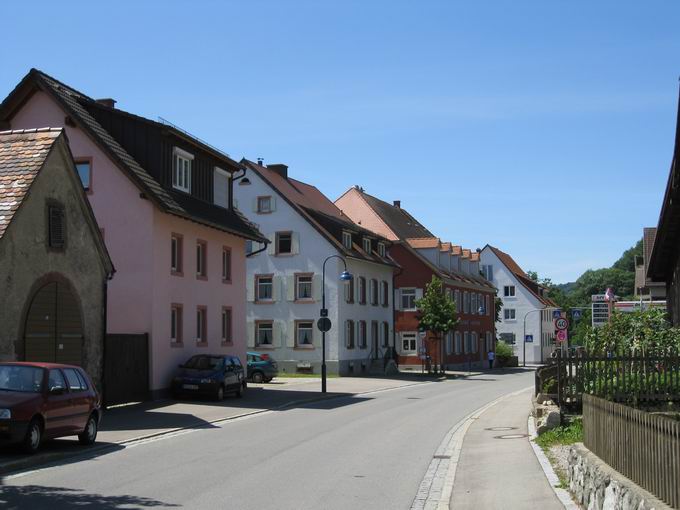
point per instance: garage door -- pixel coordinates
(54, 331)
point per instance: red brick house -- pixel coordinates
(422, 256)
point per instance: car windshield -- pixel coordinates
(205, 363)
(21, 378)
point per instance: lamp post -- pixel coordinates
(345, 277)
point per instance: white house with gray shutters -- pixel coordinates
(284, 278)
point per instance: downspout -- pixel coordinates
(394, 314)
(258, 251)
(105, 289)
(232, 180)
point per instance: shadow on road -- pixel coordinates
(54, 498)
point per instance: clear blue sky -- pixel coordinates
(545, 128)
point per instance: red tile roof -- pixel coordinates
(424, 242)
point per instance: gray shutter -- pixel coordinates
(250, 338)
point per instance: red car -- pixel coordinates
(46, 400)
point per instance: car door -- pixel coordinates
(58, 410)
(80, 401)
(230, 378)
(238, 371)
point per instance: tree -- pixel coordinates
(498, 307)
(627, 260)
(596, 282)
(436, 313)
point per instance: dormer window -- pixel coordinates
(367, 245)
(221, 188)
(381, 249)
(347, 240)
(181, 170)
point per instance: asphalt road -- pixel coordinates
(353, 452)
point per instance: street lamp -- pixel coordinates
(324, 326)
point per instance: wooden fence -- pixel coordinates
(642, 446)
(636, 380)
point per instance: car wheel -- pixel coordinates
(33, 436)
(257, 377)
(89, 435)
(241, 390)
(219, 394)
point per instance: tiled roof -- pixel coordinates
(508, 261)
(397, 219)
(74, 103)
(22, 155)
(457, 250)
(423, 242)
(445, 247)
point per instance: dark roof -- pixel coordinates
(75, 102)
(399, 220)
(321, 213)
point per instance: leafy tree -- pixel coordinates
(533, 275)
(627, 261)
(596, 282)
(436, 312)
(498, 307)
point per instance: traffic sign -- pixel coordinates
(561, 324)
(324, 324)
(557, 313)
(529, 339)
(562, 335)
(323, 312)
(576, 314)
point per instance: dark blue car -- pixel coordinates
(261, 367)
(210, 374)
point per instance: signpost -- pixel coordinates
(576, 314)
(561, 324)
(324, 324)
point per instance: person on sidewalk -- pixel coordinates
(491, 356)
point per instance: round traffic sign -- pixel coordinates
(324, 324)
(561, 335)
(561, 323)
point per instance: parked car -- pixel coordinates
(261, 367)
(41, 401)
(210, 374)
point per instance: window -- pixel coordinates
(264, 287)
(226, 325)
(181, 171)
(487, 308)
(349, 334)
(84, 168)
(487, 271)
(473, 341)
(385, 293)
(347, 240)
(305, 333)
(409, 343)
(176, 324)
(201, 249)
(221, 188)
(509, 314)
(349, 291)
(176, 254)
(456, 298)
(264, 333)
(381, 249)
(458, 347)
(408, 299)
(363, 340)
(375, 331)
(264, 205)
(56, 226)
(385, 334)
(201, 324)
(367, 245)
(473, 304)
(449, 343)
(284, 243)
(509, 291)
(508, 338)
(74, 382)
(466, 302)
(55, 380)
(303, 287)
(466, 337)
(374, 292)
(489, 342)
(226, 264)
(362, 290)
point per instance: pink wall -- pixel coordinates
(354, 206)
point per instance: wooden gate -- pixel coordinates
(126, 369)
(54, 330)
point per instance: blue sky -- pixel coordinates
(545, 128)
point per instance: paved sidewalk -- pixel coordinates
(501, 473)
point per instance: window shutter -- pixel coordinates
(235, 202)
(290, 335)
(316, 287)
(271, 247)
(272, 203)
(276, 288)
(419, 294)
(255, 204)
(56, 227)
(250, 288)
(397, 299)
(294, 243)
(290, 287)
(250, 340)
(277, 334)
(316, 336)
(357, 334)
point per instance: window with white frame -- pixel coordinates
(487, 271)
(264, 288)
(509, 314)
(221, 188)
(181, 171)
(367, 245)
(381, 249)
(226, 325)
(347, 240)
(458, 347)
(384, 293)
(226, 264)
(456, 298)
(303, 287)
(509, 291)
(264, 204)
(201, 324)
(466, 302)
(449, 343)
(176, 254)
(373, 292)
(201, 259)
(349, 291)
(176, 324)
(408, 299)
(305, 333)
(489, 341)
(409, 343)
(264, 334)
(508, 338)
(284, 243)
(473, 304)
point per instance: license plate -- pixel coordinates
(190, 386)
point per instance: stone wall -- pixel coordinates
(596, 486)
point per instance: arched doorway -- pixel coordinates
(54, 329)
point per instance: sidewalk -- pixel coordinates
(126, 424)
(501, 473)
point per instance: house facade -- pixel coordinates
(421, 256)
(54, 266)
(163, 202)
(645, 288)
(284, 282)
(524, 304)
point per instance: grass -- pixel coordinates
(563, 435)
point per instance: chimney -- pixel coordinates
(107, 101)
(260, 161)
(397, 203)
(280, 169)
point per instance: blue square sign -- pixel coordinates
(529, 339)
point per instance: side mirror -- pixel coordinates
(57, 390)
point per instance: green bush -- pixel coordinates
(503, 350)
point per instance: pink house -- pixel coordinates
(163, 200)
